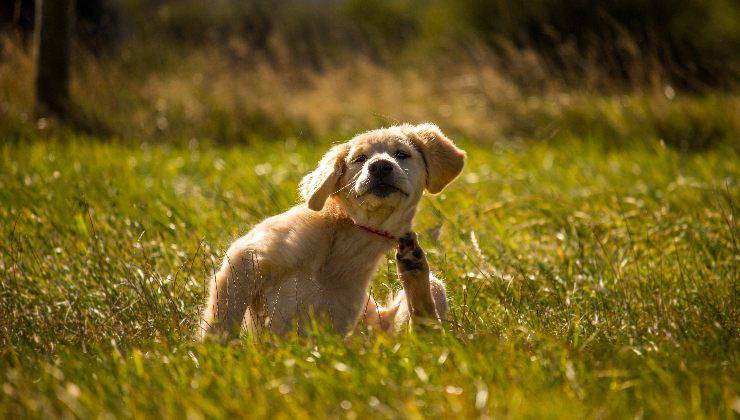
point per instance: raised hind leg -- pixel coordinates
(423, 300)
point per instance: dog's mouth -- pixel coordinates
(383, 189)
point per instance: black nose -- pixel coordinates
(380, 168)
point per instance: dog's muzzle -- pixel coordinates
(382, 182)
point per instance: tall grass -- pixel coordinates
(208, 94)
(585, 281)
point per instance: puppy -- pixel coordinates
(316, 260)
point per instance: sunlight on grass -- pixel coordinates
(585, 281)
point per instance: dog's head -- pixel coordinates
(379, 176)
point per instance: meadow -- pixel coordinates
(586, 280)
(590, 246)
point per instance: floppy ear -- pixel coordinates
(317, 186)
(443, 159)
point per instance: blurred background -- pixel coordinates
(228, 71)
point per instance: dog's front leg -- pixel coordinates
(425, 296)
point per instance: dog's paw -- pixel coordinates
(410, 256)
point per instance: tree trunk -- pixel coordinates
(54, 20)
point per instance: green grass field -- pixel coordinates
(586, 281)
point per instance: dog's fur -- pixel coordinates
(316, 260)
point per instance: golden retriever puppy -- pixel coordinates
(316, 260)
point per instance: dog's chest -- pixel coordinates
(333, 287)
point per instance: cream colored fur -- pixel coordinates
(314, 261)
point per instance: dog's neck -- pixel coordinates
(384, 225)
(382, 233)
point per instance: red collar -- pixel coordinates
(377, 232)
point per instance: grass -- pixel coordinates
(156, 92)
(590, 247)
(586, 281)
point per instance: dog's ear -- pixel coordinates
(317, 186)
(443, 159)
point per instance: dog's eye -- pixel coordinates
(360, 159)
(402, 155)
